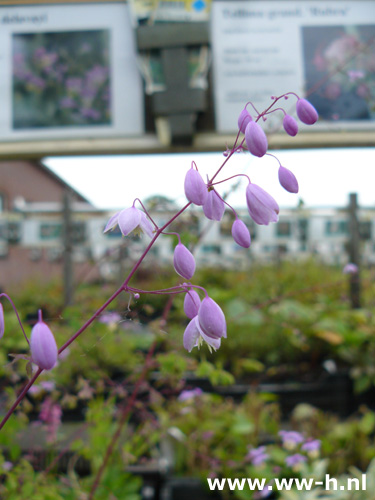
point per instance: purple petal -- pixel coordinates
(191, 334)
(212, 319)
(241, 234)
(43, 346)
(214, 206)
(243, 120)
(112, 222)
(306, 112)
(256, 139)
(192, 303)
(183, 261)
(146, 225)
(290, 125)
(263, 209)
(2, 323)
(195, 187)
(288, 180)
(129, 219)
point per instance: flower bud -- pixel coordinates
(183, 261)
(263, 209)
(195, 187)
(256, 139)
(290, 125)
(306, 112)
(241, 234)
(43, 345)
(211, 319)
(2, 323)
(214, 206)
(243, 120)
(192, 303)
(288, 180)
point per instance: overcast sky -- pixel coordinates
(326, 177)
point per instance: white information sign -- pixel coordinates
(324, 50)
(68, 71)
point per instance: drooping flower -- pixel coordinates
(295, 459)
(288, 180)
(241, 234)
(190, 394)
(350, 268)
(2, 323)
(263, 209)
(195, 187)
(192, 303)
(290, 125)
(256, 139)
(258, 456)
(214, 206)
(183, 261)
(306, 112)
(290, 439)
(43, 345)
(212, 319)
(130, 219)
(312, 447)
(194, 336)
(243, 120)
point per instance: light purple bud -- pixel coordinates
(306, 112)
(2, 323)
(256, 139)
(288, 180)
(183, 261)
(192, 303)
(43, 345)
(214, 206)
(241, 234)
(129, 219)
(195, 187)
(263, 209)
(290, 125)
(243, 120)
(211, 319)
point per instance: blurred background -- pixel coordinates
(103, 102)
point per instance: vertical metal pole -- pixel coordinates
(354, 252)
(68, 248)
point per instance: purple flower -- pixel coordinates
(243, 120)
(90, 113)
(128, 220)
(195, 187)
(290, 125)
(350, 268)
(2, 322)
(311, 446)
(214, 206)
(192, 303)
(257, 456)
(183, 261)
(291, 438)
(256, 139)
(263, 209)
(241, 234)
(212, 319)
(288, 180)
(67, 103)
(193, 393)
(110, 318)
(295, 459)
(74, 84)
(43, 345)
(306, 112)
(194, 336)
